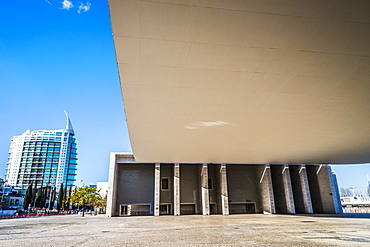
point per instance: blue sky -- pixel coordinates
(59, 55)
(54, 59)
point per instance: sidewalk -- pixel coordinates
(190, 230)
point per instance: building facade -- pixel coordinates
(181, 188)
(43, 158)
(237, 106)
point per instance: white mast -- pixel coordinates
(69, 124)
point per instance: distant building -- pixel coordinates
(102, 187)
(11, 197)
(43, 158)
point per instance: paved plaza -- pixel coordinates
(192, 230)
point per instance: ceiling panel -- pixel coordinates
(245, 81)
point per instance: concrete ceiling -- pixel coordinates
(243, 81)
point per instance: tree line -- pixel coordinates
(44, 197)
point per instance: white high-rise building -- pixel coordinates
(43, 158)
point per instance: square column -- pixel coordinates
(176, 189)
(305, 190)
(335, 191)
(266, 190)
(288, 191)
(224, 194)
(157, 189)
(112, 187)
(205, 192)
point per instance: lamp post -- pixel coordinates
(83, 204)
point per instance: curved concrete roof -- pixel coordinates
(245, 81)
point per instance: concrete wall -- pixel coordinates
(242, 187)
(320, 189)
(167, 195)
(279, 192)
(297, 189)
(265, 189)
(282, 186)
(136, 184)
(233, 188)
(190, 188)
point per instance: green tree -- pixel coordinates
(68, 196)
(38, 198)
(34, 193)
(102, 203)
(28, 197)
(85, 196)
(65, 199)
(53, 195)
(41, 197)
(61, 197)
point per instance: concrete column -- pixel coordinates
(335, 191)
(267, 192)
(112, 187)
(157, 188)
(305, 190)
(176, 189)
(288, 191)
(224, 194)
(321, 189)
(128, 210)
(205, 192)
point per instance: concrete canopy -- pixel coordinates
(244, 81)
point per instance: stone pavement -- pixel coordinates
(190, 230)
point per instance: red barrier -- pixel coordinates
(36, 214)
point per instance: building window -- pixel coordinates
(165, 184)
(124, 210)
(210, 183)
(165, 209)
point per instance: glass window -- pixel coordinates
(165, 184)
(165, 209)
